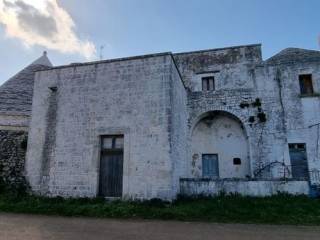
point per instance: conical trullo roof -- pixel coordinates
(294, 55)
(16, 93)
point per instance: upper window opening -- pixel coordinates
(208, 84)
(306, 86)
(112, 142)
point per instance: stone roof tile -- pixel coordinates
(17, 92)
(292, 55)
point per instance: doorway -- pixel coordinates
(111, 166)
(299, 162)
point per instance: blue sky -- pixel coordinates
(134, 27)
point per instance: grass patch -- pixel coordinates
(281, 209)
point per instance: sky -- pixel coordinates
(88, 30)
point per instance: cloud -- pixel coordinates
(44, 23)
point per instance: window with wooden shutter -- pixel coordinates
(210, 165)
(208, 83)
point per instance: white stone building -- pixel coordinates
(154, 126)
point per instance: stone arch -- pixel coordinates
(221, 137)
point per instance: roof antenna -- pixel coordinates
(101, 52)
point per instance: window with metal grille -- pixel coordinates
(208, 84)
(305, 81)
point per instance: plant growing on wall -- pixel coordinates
(266, 168)
(261, 116)
(257, 103)
(251, 119)
(244, 105)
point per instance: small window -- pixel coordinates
(112, 142)
(306, 87)
(236, 161)
(119, 142)
(208, 84)
(107, 143)
(297, 146)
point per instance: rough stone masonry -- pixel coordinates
(13, 146)
(154, 126)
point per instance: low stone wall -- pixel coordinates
(210, 187)
(13, 145)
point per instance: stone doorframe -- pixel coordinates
(126, 156)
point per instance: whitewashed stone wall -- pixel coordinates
(137, 97)
(178, 128)
(228, 65)
(235, 82)
(222, 135)
(145, 99)
(242, 77)
(300, 115)
(262, 188)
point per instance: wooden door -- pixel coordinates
(111, 166)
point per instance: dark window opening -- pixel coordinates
(297, 146)
(305, 82)
(236, 161)
(208, 84)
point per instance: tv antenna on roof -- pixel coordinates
(101, 52)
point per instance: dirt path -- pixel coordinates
(30, 227)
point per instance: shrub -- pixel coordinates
(17, 188)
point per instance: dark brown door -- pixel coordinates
(111, 166)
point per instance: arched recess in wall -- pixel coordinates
(219, 147)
